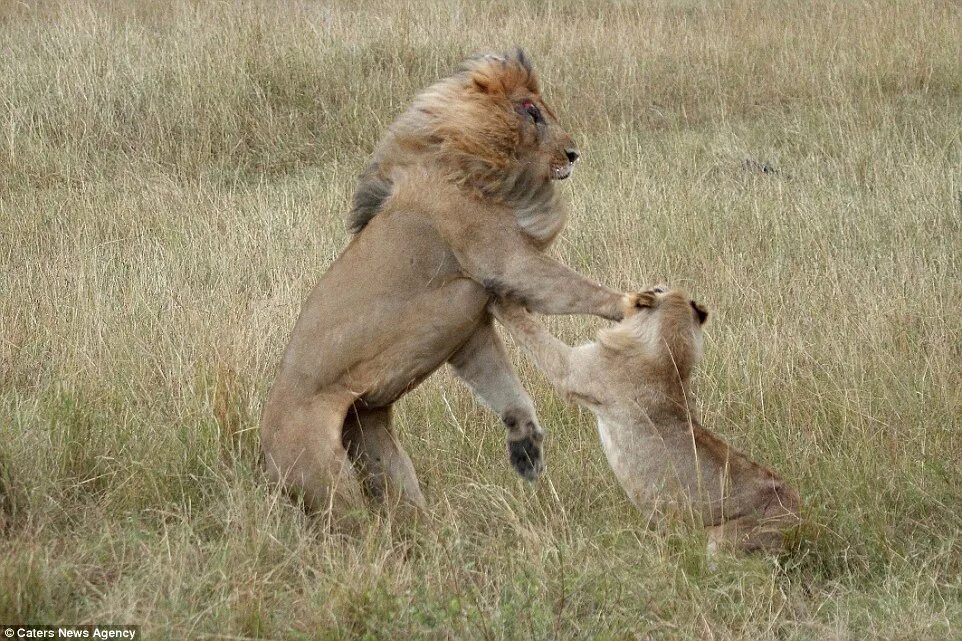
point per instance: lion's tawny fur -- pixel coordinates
(458, 201)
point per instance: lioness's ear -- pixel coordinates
(700, 312)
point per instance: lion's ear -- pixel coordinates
(701, 314)
(482, 83)
(522, 59)
(486, 71)
(645, 299)
(489, 82)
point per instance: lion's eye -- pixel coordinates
(532, 110)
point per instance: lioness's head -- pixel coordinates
(486, 128)
(661, 324)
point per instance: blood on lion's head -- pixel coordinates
(502, 117)
(486, 128)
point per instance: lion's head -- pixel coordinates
(485, 128)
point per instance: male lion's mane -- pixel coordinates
(462, 130)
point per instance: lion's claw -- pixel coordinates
(633, 302)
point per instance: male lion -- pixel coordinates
(457, 201)
(635, 380)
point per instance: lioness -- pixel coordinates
(635, 380)
(458, 199)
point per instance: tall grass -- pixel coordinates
(172, 182)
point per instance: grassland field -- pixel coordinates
(173, 181)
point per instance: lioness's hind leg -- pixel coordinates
(303, 452)
(763, 530)
(385, 469)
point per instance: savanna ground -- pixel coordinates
(173, 178)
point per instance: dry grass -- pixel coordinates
(172, 181)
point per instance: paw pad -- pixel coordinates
(525, 456)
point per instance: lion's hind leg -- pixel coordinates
(385, 469)
(303, 452)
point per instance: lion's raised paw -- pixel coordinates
(524, 445)
(526, 459)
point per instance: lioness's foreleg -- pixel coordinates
(303, 452)
(551, 355)
(385, 469)
(483, 364)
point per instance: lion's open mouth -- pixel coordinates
(562, 172)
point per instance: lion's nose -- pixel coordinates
(572, 155)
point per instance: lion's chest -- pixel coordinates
(426, 330)
(541, 225)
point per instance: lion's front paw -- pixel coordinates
(633, 302)
(526, 459)
(524, 446)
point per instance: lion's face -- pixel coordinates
(501, 116)
(519, 124)
(542, 137)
